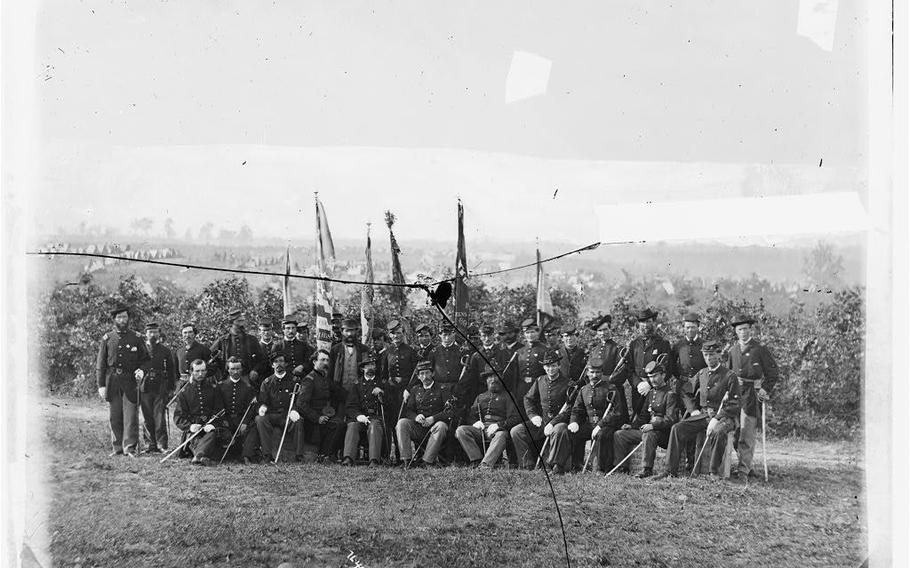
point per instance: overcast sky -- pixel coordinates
(151, 109)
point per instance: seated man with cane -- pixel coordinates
(711, 399)
(547, 405)
(276, 419)
(651, 427)
(319, 395)
(365, 414)
(197, 404)
(496, 415)
(237, 396)
(426, 417)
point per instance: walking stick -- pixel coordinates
(635, 449)
(705, 444)
(413, 457)
(764, 454)
(190, 439)
(287, 420)
(242, 419)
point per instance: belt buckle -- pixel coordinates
(118, 371)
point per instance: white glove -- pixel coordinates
(377, 391)
(262, 410)
(102, 392)
(420, 418)
(139, 374)
(647, 427)
(208, 427)
(695, 412)
(478, 425)
(429, 421)
(294, 415)
(644, 388)
(406, 395)
(595, 432)
(492, 428)
(536, 421)
(573, 427)
(713, 426)
(362, 418)
(762, 395)
(195, 428)
(548, 429)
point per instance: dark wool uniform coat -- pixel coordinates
(119, 355)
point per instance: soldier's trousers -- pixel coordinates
(409, 431)
(248, 442)
(683, 434)
(524, 448)
(124, 421)
(624, 441)
(270, 428)
(328, 438)
(567, 446)
(745, 446)
(205, 444)
(471, 438)
(374, 431)
(154, 431)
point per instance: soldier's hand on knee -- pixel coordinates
(573, 427)
(595, 432)
(294, 415)
(536, 421)
(139, 374)
(262, 410)
(478, 425)
(208, 427)
(492, 428)
(362, 418)
(713, 426)
(548, 429)
(429, 421)
(695, 412)
(195, 428)
(322, 419)
(420, 419)
(647, 428)
(626, 427)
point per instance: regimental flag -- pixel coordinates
(286, 287)
(398, 294)
(461, 272)
(366, 297)
(325, 261)
(545, 312)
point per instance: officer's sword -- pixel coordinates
(242, 419)
(287, 421)
(705, 444)
(574, 389)
(595, 444)
(635, 449)
(190, 439)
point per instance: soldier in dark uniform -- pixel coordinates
(758, 373)
(238, 343)
(364, 415)
(274, 409)
(397, 366)
(236, 396)
(647, 347)
(425, 344)
(572, 356)
(508, 334)
(426, 417)
(496, 416)
(190, 350)
(711, 400)
(297, 354)
(687, 355)
(266, 343)
(379, 343)
(156, 388)
(320, 397)
(303, 333)
(551, 336)
(121, 355)
(493, 352)
(528, 365)
(446, 357)
(545, 405)
(196, 405)
(652, 425)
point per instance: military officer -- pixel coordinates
(364, 414)
(196, 405)
(652, 425)
(711, 400)
(266, 342)
(446, 357)
(121, 354)
(572, 357)
(508, 334)
(490, 350)
(397, 369)
(156, 388)
(303, 333)
(551, 336)
(297, 354)
(424, 341)
(687, 355)
(647, 347)
(606, 349)
(425, 418)
(547, 404)
(496, 416)
(190, 350)
(320, 397)
(274, 409)
(236, 396)
(758, 373)
(237, 342)
(528, 364)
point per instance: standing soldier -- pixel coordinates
(528, 364)
(318, 401)
(396, 369)
(364, 414)
(757, 371)
(196, 405)
(426, 417)
(493, 352)
(645, 348)
(509, 335)
(607, 351)
(266, 342)
(190, 350)
(156, 387)
(652, 425)
(121, 355)
(551, 336)
(446, 357)
(424, 341)
(687, 355)
(235, 396)
(379, 343)
(544, 406)
(572, 356)
(496, 416)
(274, 409)
(711, 399)
(238, 343)
(297, 354)
(303, 333)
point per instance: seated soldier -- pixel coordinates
(426, 417)
(276, 418)
(364, 413)
(319, 395)
(545, 402)
(236, 396)
(651, 427)
(496, 415)
(712, 408)
(196, 405)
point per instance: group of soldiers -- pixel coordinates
(522, 401)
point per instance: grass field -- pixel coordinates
(121, 512)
